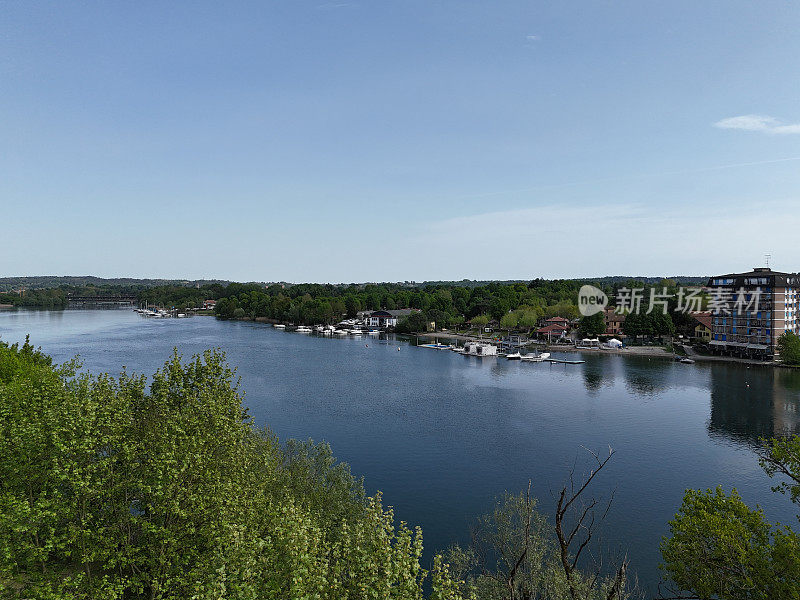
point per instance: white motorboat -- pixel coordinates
(356, 332)
(514, 356)
(303, 329)
(341, 331)
(279, 326)
(536, 357)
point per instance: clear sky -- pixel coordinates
(398, 140)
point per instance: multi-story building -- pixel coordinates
(750, 311)
(614, 321)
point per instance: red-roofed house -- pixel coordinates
(554, 330)
(557, 321)
(702, 331)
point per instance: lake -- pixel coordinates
(442, 435)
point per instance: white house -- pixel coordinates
(387, 318)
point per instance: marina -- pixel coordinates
(482, 349)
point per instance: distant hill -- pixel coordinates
(52, 281)
(606, 280)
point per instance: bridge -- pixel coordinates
(103, 299)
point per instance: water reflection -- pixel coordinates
(647, 377)
(752, 403)
(598, 373)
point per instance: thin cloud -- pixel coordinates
(532, 38)
(520, 242)
(568, 184)
(761, 123)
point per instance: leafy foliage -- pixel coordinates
(788, 347)
(593, 325)
(110, 489)
(514, 555)
(49, 299)
(720, 548)
(413, 323)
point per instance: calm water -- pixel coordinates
(442, 435)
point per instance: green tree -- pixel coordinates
(480, 321)
(789, 348)
(635, 325)
(517, 554)
(529, 319)
(509, 320)
(593, 325)
(416, 322)
(719, 547)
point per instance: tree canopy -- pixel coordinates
(719, 547)
(112, 489)
(788, 347)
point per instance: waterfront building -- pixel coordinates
(557, 321)
(702, 331)
(553, 331)
(750, 311)
(613, 321)
(387, 318)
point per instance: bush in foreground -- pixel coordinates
(109, 490)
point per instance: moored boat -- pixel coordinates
(539, 357)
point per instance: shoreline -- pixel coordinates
(647, 351)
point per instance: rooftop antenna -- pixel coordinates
(767, 258)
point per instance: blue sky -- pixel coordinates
(384, 141)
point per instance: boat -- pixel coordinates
(435, 346)
(478, 349)
(303, 329)
(686, 361)
(279, 326)
(514, 356)
(536, 357)
(341, 331)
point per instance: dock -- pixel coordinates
(561, 361)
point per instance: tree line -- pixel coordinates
(514, 306)
(52, 299)
(447, 304)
